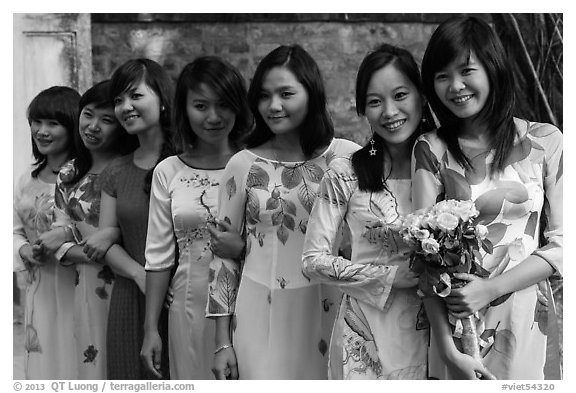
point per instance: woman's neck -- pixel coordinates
(473, 129)
(208, 156)
(397, 160)
(54, 162)
(100, 160)
(147, 154)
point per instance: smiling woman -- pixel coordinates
(271, 322)
(50, 348)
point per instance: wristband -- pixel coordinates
(222, 347)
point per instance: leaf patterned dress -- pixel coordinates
(78, 206)
(515, 328)
(49, 305)
(181, 201)
(377, 334)
(281, 320)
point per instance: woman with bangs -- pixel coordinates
(99, 140)
(142, 95)
(512, 169)
(378, 333)
(279, 322)
(211, 117)
(49, 305)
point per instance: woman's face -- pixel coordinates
(210, 117)
(393, 105)
(51, 137)
(463, 86)
(283, 102)
(98, 128)
(138, 108)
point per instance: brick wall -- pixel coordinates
(338, 42)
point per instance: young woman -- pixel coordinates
(512, 169)
(281, 321)
(142, 96)
(376, 334)
(211, 115)
(50, 351)
(99, 140)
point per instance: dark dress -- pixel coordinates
(125, 181)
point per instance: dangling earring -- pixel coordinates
(373, 150)
(162, 108)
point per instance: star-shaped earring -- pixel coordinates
(372, 151)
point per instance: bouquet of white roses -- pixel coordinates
(445, 240)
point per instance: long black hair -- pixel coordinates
(133, 72)
(457, 37)
(370, 175)
(58, 103)
(228, 84)
(317, 129)
(99, 96)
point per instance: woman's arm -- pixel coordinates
(157, 283)
(116, 257)
(160, 257)
(368, 282)
(544, 261)
(225, 364)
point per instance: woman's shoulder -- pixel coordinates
(243, 158)
(344, 147)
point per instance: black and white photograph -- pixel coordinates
(287, 197)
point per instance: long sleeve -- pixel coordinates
(367, 282)
(224, 276)
(427, 186)
(160, 245)
(551, 139)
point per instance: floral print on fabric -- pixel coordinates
(281, 321)
(511, 202)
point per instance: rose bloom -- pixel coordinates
(466, 210)
(429, 220)
(420, 234)
(447, 221)
(430, 246)
(481, 231)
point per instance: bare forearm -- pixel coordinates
(121, 263)
(223, 334)
(75, 255)
(156, 287)
(529, 272)
(440, 327)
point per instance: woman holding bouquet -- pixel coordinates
(376, 334)
(512, 169)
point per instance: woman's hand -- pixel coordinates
(404, 277)
(52, 239)
(462, 366)
(225, 241)
(96, 245)
(31, 256)
(475, 295)
(225, 365)
(151, 352)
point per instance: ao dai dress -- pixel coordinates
(78, 206)
(123, 180)
(281, 320)
(377, 334)
(181, 201)
(48, 322)
(515, 328)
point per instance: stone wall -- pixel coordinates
(338, 42)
